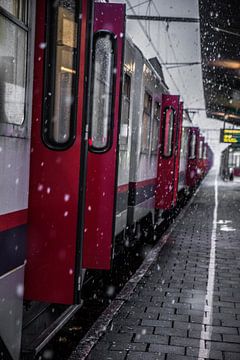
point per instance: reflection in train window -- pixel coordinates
(168, 124)
(192, 147)
(59, 119)
(123, 140)
(200, 150)
(155, 127)
(102, 92)
(13, 55)
(146, 123)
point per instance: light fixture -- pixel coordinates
(229, 64)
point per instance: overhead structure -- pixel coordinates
(220, 40)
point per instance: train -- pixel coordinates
(230, 163)
(94, 150)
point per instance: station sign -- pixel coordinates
(230, 136)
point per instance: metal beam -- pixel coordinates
(163, 18)
(180, 64)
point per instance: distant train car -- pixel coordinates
(230, 162)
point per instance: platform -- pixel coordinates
(187, 304)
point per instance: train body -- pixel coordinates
(92, 147)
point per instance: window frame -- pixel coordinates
(193, 157)
(146, 149)
(50, 77)
(20, 130)
(156, 118)
(205, 152)
(124, 146)
(98, 34)
(23, 25)
(164, 130)
(200, 149)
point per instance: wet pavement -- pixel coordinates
(187, 304)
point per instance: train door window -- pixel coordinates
(200, 150)
(168, 125)
(192, 147)
(205, 152)
(102, 91)
(123, 140)
(146, 123)
(13, 61)
(61, 74)
(155, 127)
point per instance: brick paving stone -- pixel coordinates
(180, 357)
(223, 346)
(164, 317)
(144, 356)
(231, 356)
(214, 355)
(166, 349)
(205, 335)
(231, 338)
(170, 332)
(128, 346)
(151, 339)
(156, 323)
(143, 330)
(107, 355)
(181, 341)
(223, 330)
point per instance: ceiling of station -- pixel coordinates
(220, 48)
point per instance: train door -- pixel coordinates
(54, 248)
(107, 67)
(169, 152)
(191, 173)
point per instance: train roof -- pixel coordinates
(153, 63)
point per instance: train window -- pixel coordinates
(205, 152)
(168, 125)
(17, 8)
(200, 150)
(102, 91)
(13, 63)
(146, 123)
(123, 139)
(155, 127)
(60, 74)
(192, 148)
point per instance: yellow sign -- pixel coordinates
(231, 136)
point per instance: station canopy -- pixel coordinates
(220, 47)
